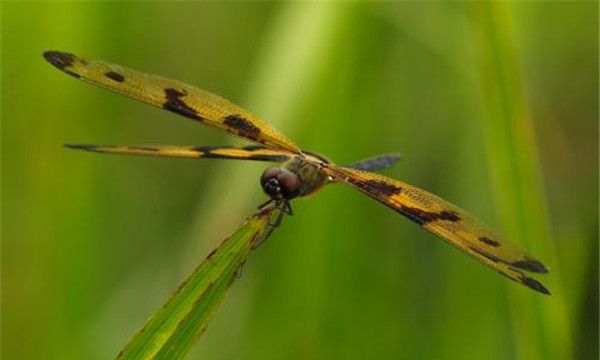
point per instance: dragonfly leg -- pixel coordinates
(284, 208)
(287, 208)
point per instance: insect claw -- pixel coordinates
(288, 208)
(284, 208)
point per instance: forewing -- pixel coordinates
(259, 153)
(446, 221)
(175, 96)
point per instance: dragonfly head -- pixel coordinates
(280, 183)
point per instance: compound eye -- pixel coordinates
(272, 188)
(270, 184)
(289, 183)
(270, 173)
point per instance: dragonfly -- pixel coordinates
(299, 172)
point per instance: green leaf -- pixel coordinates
(173, 328)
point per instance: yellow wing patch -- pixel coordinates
(446, 221)
(175, 96)
(259, 153)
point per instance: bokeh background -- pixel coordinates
(493, 105)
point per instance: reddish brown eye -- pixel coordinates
(290, 185)
(270, 184)
(279, 182)
(270, 173)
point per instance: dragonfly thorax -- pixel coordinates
(297, 177)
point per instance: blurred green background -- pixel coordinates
(493, 105)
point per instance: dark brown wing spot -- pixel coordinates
(254, 147)
(260, 157)
(205, 151)
(486, 240)
(449, 216)
(423, 217)
(377, 187)
(209, 153)
(534, 284)
(243, 127)
(485, 254)
(175, 104)
(61, 60)
(530, 265)
(115, 76)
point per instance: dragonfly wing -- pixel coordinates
(376, 163)
(175, 96)
(445, 220)
(259, 153)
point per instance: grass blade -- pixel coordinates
(172, 329)
(518, 186)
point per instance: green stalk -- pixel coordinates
(540, 325)
(172, 329)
